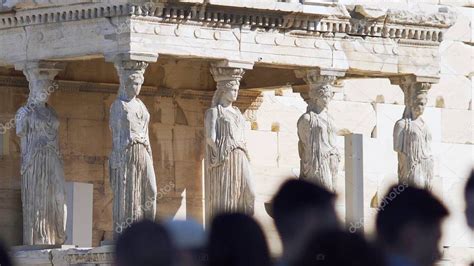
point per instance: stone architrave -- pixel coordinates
(42, 172)
(132, 176)
(228, 181)
(412, 137)
(319, 157)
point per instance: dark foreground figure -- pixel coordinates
(409, 227)
(144, 243)
(339, 248)
(237, 240)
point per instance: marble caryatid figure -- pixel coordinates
(412, 138)
(42, 173)
(132, 175)
(228, 176)
(319, 157)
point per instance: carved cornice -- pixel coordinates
(444, 18)
(222, 74)
(396, 24)
(61, 14)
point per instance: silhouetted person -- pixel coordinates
(144, 243)
(409, 226)
(469, 196)
(300, 208)
(338, 248)
(237, 240)
(4, 257)
(189, 240)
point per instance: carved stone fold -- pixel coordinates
(42, 174)
(319, 157)
(228, 184)
(412, 137)
(132, 175)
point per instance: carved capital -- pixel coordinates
(131, 56)
(319, 75)
(126, 66)
(40, 69)
(222, 74)
(234, 64)
(226, 76)
(319, 80)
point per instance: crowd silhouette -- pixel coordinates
(408, 233)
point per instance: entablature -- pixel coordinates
(354, 38)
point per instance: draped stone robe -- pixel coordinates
(412, 141)
(132, 176)
(319, 157)
(228, 175)
(43, 191)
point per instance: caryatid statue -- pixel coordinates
(132, 175)
(42, 172)
(412, 137)
(319, 157)
(228, 178)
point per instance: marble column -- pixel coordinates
(412, 136)
(319, 157)
(42, 173)
(228, 179)
(132, 176)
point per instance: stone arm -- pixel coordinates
(332, 130)
(114, 123)
(398, 135)
(148, 144)
(21, 122)
(116, 127)
(304, 143)
(210, 128)
(53, 130)
(428, 132)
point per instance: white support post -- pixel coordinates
(354, 182)
(79, 217)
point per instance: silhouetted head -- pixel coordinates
(409, 224)
(4, 257)
(237, 240)
(469, 195)
(189, 240)
(337, 248)
(144, 243)
(299, 208)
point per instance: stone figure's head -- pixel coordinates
(132, 84)
(320, 95)
(131, 74)
(418, 104)
(41, 86)
(228, 84)
(227, 91)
